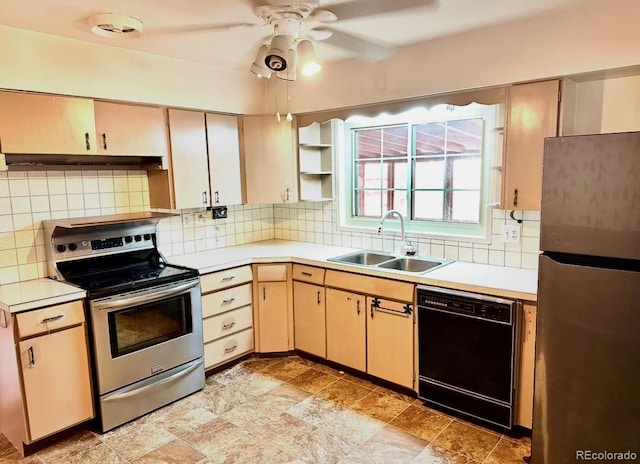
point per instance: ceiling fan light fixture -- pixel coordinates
(276, 58)
(307, 60)
(115, 26)
(290, 73)
(258, 67)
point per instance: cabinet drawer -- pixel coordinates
(314, 275)
(375, 286)
(228, 348)
(272, 273)
(225, 300)
(51, 318)
(226, 278)
(227, 323)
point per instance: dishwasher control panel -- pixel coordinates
(467, 303)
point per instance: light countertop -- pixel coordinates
(494, 280)
(32, 294)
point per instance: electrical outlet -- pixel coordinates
(510, 234)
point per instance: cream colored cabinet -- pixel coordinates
(224, 159)
(227, 315)
(346, 328)
(315, 159)
(524, 392)
(390, 340)
(45, 379)
(269, 160)
(46, 124)
(309, 310)
(135, 130)
(532, 115)
(273, 309)
(186, 183)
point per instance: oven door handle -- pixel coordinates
(146, 388)
(147, 297)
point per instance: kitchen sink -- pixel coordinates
(366, 258)
(412, 264)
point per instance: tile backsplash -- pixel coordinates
(29, 197)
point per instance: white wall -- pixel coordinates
(585, 37)
(46, 63)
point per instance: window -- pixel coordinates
(431, 166)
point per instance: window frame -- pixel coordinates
(491, 157)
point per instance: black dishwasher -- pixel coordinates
(466, 349)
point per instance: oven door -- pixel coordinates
(142, 333)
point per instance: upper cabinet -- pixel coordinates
(45, 124)
(224, 159)
(269, 160)
(130, 129)
(532, 115)
(186, 183)
(315, 153)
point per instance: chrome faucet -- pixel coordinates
(407, 249)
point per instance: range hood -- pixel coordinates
(112, 219)
(25, 162)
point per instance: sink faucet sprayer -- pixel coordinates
(407, 248)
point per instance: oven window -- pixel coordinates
(142, 326)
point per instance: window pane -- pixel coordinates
(467, 173)
(429, 174)
(466, 207)
(464, 136)
(429, 138)
(428, 205)
(399, 201)
(368, 143)
(369, 203)
(394, 142)
(369, 175)
(394, 174)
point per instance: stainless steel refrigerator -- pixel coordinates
(587, 378)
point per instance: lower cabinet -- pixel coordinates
(309, 310)
(273, 311)
(524, 392)
(346, 328)
(390, 341)
(44, 378)
(227, 314)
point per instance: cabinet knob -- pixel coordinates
(87, 141)
(515, 197)
(216, 197)
(205, 198)
(104, 141)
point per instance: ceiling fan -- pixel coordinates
(290, 48)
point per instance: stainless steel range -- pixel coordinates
(145, 314)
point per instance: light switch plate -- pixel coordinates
(510, 234)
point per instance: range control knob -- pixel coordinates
(61, 248)
(128, 239)
(73, 247)
(138, 238)
(147, 236)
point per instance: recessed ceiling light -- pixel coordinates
(115, 26)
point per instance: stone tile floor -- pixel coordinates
(286, 410)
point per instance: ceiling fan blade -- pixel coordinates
(358, 9)
(318, 34)
(199, 28)
(369, 50)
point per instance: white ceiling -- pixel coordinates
(194, 30)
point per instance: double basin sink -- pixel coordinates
(388, 261)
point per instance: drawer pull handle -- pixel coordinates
(306, 274)
(32, 357)
(46, 320)
(104, 140)
(87, 141)
(228, 326)
(228, 278)
(228, 300)
(231, 349)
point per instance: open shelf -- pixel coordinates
(315, 160)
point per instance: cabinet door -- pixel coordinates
(270, 168)
(272, 317)
(309, 318)
(390, 341)
(346, 328)
(532, 115)
(189, 169)
(44, 124)
(131, 129)
(224, 159)
(524, 393)
(57, 387)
